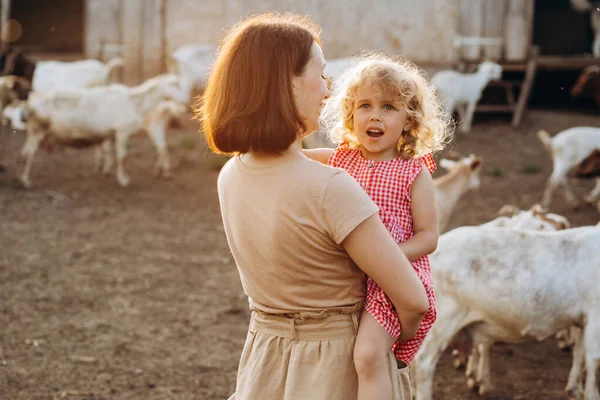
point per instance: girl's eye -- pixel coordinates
(364, 106)
(389, 107)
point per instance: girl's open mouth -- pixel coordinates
(374, 132)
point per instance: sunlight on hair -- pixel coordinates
(429, 131)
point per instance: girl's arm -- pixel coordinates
(424, 216)
(321, 155)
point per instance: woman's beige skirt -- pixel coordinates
(305, 359)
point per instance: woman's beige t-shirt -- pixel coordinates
(285, 222)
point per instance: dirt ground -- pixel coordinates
(110, 293)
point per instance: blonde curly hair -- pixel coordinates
(427, 129)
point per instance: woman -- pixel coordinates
(303, 234)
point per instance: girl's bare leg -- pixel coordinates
(373, 343)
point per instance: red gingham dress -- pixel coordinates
(388, 184)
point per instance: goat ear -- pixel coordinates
(447, 164)
(537, 209)
(508, 209)
(563, 225)
(476, 163)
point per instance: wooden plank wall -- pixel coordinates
(132, 23)
(103, 33)
(102, 27)
(198, 21)
(4, 14)
(509, 20)
(517, 34)
(148, 30)
(494, 16)
(152, 50)
(470, 23)
(132, 29)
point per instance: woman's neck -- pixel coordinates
(258, 157)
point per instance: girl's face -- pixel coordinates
(378, 123)
(311, 90)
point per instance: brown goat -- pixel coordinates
(590, 167)
(588, 84)
(12, 88)
(14, 62)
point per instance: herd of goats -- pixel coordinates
(526, 275)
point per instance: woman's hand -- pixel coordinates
(374, 251)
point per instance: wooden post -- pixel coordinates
(4, 17)
(516, 32)
(495, 10)
(163, 37)
(102, 28)
(470, 22)
(529, 15)
(530, 71)
(152, 52)
(132, 25)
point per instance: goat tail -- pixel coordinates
(112, 64)
(545, 138)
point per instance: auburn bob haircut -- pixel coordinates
(248, 103)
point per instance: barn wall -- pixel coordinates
(420, 30)
(423, 31)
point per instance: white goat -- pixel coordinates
(536, 218)
(193, 63)
(482, 336)
(75, 74)
(568, 149)
(462, 176)
(13, 113)
(462, 91)
(80, 117)
(155, 125)
(530, 284)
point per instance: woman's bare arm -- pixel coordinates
(374, 251)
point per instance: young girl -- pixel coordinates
(387, 121)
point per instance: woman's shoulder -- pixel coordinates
(340, 184)
(226, 169)
(323, 179)
(325, 173)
